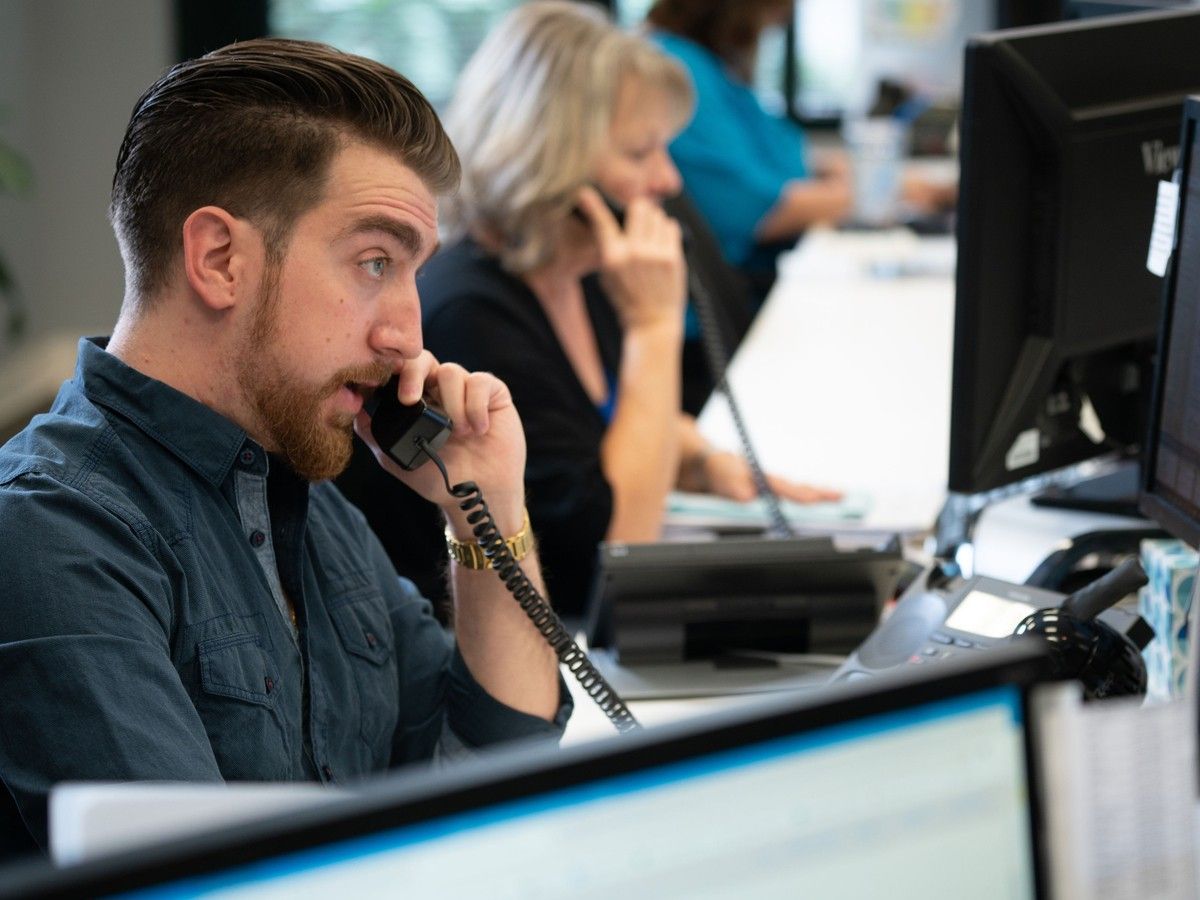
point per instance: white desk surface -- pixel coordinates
(1012, 537)
(589, 723)
(844, 377)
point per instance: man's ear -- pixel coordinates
(222, 256)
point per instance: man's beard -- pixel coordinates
(315, 445)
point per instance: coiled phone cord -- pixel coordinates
(547, 622)
(718, 363)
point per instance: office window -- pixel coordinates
(841, 48)
(844, 49)
(427, 40)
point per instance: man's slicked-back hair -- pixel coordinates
(252, 128)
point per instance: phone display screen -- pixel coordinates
(988, 615)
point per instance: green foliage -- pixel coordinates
(15, 177)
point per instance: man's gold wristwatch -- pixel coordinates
(470, 555)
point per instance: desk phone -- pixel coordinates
(942, 615)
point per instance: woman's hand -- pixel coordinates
(728, 475)
(641, 265)
(928, 195)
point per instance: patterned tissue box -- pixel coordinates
(1164, 603)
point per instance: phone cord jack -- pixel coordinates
(544, 619)
(718, 363)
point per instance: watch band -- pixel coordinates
(469, 554)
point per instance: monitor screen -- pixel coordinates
(919, 780)
(1171, 462)
(1171, 469)
(1066, 130)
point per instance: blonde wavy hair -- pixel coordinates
(531, 114)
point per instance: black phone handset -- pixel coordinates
(718, 362)
(411, 435)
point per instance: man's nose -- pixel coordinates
(397, 331)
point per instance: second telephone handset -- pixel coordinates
(616, 209)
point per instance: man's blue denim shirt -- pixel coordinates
(146, 546)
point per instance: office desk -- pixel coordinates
(844, 377)
(1012, 537)
(589, 723)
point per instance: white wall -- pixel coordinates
(70, 72)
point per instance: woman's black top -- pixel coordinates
(478, 315)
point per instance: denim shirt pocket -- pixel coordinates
(365, 631)
(235, 666)
(239, 690)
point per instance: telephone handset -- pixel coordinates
(399, 429)
(615, 208)
(411, 435)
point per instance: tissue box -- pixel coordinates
(1164, 603)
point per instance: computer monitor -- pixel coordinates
(1171, 462)
(1066, 131)
(896, 786)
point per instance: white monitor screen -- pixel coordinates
(929, 801)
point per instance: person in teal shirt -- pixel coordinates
(745, 169)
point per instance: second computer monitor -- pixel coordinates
(1066, 131)
(1171, 476)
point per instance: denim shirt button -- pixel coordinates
(371, 639)
(269, 684)
(247, 457)
(257, 538)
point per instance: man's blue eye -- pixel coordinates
(375, 267)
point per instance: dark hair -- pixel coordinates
(729, 28)
(252, 128)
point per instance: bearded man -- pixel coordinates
(184, 595)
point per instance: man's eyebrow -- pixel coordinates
(406, 234)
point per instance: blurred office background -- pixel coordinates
(70, 72)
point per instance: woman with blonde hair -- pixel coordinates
(559, 119)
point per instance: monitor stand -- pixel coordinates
(1115, 493)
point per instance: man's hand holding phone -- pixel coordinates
(487, 444)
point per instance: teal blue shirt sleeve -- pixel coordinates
(734, 156)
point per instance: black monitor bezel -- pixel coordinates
(975, 460)
(1152, 504)
(408, 798)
